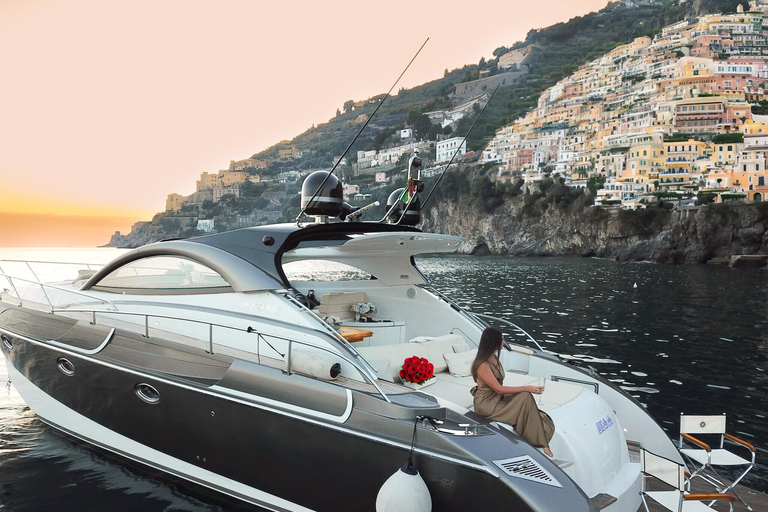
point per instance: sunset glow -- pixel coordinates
(108, 107)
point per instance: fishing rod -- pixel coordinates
(322, 184)
(454, 155)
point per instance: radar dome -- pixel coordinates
(411, 217)
(327, 201)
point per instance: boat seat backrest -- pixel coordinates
(340, 304)
(695, 424)
(397, 353)
(661, 468)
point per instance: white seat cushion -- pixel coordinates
(398, 352)
(719, 457)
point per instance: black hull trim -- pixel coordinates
(320, 467)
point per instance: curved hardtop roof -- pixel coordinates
(234, 254)
(252, 245)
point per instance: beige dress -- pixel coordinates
(517, 409)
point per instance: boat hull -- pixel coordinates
(269, 458)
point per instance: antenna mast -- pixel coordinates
(457, 149)
(319, 188)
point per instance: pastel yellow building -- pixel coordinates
(751, 127)
(173, 202)
(726, 153)
(208, 181)
(679, 162)
(645, 159)
(230, 178)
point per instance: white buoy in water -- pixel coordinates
(634, 285)
(404, 491)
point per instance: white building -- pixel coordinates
(406, 134)
(445, 149)
(205, 225)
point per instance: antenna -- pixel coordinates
(456, 152)
(360, 131)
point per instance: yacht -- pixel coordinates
(265, 364)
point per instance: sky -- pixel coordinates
(106, 107)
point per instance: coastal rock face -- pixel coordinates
(656, 234)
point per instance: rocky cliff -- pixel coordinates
(658, 234)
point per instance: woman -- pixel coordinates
(512, 405)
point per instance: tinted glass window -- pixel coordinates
(163, 273)
(322, 270)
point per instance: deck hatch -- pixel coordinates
(528, 469)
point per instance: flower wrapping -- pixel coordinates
(417, 370)
(362, 308)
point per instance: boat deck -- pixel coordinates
(757, 500)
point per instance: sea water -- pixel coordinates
(686, 339)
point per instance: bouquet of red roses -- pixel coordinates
(417, 370)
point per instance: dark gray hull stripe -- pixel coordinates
(168, 470)
(251, 402)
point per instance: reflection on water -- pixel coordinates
(685, 339)
(43, 471)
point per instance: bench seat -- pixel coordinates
(456, 389)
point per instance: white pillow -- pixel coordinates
(461, 347)
(383, 370)
(314, 364)
(459, 364)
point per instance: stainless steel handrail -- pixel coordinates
(364, 372)
(511, 324)
(78, 263)
(29, 264)
(333, 332)
(291, 341)
(43, 286)
(458, 308)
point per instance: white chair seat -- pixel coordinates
(671, 499)
(719, 457)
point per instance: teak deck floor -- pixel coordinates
(757, 500)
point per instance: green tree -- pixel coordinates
(228, 200)
(348, 106)
(420, 124)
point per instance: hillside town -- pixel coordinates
(211, 187)
(681, 115)
(678, 114)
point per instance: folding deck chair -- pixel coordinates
(705, 459)
(675, 499)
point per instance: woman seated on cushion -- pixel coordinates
(512, 405)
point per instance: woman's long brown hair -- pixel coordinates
(490, 344)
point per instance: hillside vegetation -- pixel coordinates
(558, 50)
(555, 52)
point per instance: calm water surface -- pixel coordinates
(686, 339)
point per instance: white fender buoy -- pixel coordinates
(634, 285)
(404, 491)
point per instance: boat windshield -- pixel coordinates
(162, 274)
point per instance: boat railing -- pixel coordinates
(28, 264)
(328, 327)
(513, 325)
(210, 346)
(455, 306)
(201, 336)
(19, 293)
